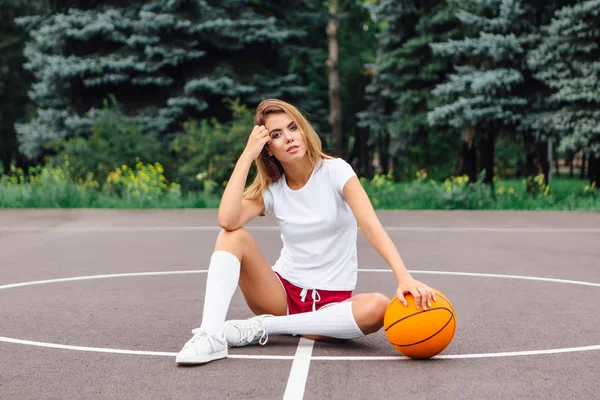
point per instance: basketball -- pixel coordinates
(417, 333)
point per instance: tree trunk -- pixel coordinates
(5, 155)
(533, 165)
(549, 148)
(362, 154)
(467, 163)
(571, 161)
(24, 163)
(384, 152)
(582, 170)
(335, 103)
(542, 150)
(594, 169)
(487, 156)
(360, 157)
(556, 163)
(365, 154)
(5, 158)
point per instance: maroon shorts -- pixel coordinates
(304, 300)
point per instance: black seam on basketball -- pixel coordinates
(424, 340)
(447, 301)
(396, 299)
(418, 312)
(394, 323)
(387, 308)
(408, 316)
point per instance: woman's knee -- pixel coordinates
(232, 241)
(371, 310)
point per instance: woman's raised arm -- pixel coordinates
(234, 211)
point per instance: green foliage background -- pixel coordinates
(427, 87)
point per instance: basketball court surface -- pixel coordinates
(95, 304)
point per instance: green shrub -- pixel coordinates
(144, 186)
(208, 151)
(458, 193)
(115, 140)
(51, 187)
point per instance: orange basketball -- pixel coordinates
(417, 333)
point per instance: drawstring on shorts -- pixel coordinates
(316, 297)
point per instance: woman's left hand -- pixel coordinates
(422, 293)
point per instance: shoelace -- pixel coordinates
(198, 336)
(250, 333)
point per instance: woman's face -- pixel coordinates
(287, 142)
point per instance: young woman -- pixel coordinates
(317, 201)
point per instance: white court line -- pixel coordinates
(482, 275)
(203, 271)
(85, 348)
(276, 229)
(130, 352)
(91, 277)
(304, 349)
(296, 383)
(113, 228)
(461, 356)
(316, 358)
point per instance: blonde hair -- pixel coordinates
(269, 169)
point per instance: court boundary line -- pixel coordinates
(276, 229)
(486, 275)
(296, 384)
(104, 276)
(312, 358)
(368, 270)
(276, 357)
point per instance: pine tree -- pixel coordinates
(404, 75)
(357, 49)
(356, 39)
(396, 22)
(493, 91)
(486, 92)
(14, 80)
(415, 143)
(166, 61)
(567, 60)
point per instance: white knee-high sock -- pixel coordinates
(222, 280)
(335, 321)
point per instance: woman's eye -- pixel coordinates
(275, 135)
(293, 128)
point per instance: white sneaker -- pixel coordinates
(203, 347)
(242, 332)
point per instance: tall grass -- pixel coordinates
(144, 186)
(138, 187)
(457, 193)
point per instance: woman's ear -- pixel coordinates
(266, 151)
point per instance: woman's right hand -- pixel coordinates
(257, 141)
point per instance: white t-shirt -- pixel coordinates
(318, 229)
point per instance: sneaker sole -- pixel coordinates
(187, 360)
(243, 345)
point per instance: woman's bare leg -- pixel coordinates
(368, 310)
(260, 286)
(235, 261)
